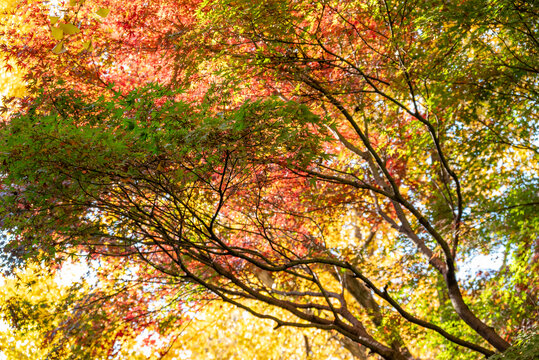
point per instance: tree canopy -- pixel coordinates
(335, 165)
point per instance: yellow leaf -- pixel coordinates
(87, 45)
(103, 12)
(59, 48)
(69, 29)
(73, 2)
(54, 19)
(57, 33)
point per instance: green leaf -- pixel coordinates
(130, 124)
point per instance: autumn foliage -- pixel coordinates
(335, 165)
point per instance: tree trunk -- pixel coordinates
(468, 316)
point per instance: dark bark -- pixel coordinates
(469, 317)
(358, 351)
(367, 301)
